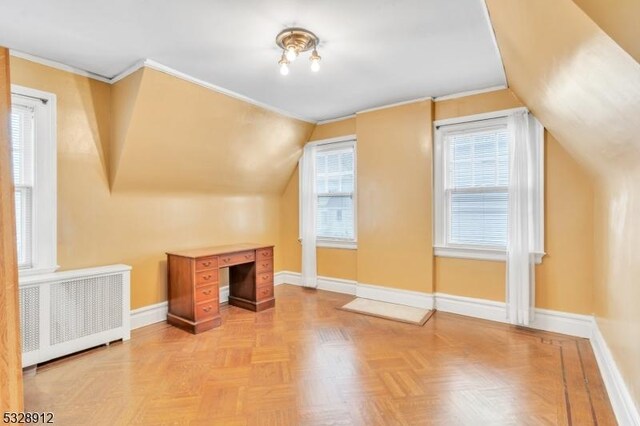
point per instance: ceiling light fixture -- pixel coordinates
(294, 41)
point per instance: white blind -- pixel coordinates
(22, 141)
(335, 175)
(477, 176)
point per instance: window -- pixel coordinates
(34, 174)
(335, 189)
(471, 187)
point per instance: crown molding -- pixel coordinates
(487, 19)
(469, 93)
(410, 101)
(148, 63)
(333, 120)
(58, 65)
(127, 71)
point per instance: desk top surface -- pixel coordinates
(218, 250)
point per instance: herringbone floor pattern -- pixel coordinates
(307, 363)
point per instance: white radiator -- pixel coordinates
(66, 312)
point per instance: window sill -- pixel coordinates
(41, 271)
(337, 244)
(346, 245)
(478, 254)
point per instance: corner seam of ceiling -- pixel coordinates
(487, 16)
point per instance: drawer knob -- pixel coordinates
(226, 259)
(207, 263)
(207, 291)
(207, 309)
(207, 277)
(247, 256)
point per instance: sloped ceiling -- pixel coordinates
(620, 19)
(170, 135)
(578, 81)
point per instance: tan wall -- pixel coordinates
(394, 197)
(617, 285)
(290, 248)
(181, 137)
(586, 92)
(99, 227)
(564, 280)
(394, 176)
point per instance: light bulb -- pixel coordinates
(284, 68)
(284, 65)
(291, 53)
(315, 65)
(315, 61)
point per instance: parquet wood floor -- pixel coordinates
(307, 363)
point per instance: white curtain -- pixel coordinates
(523, 172)
(308, 200)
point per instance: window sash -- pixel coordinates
(449, 188)
(335, 227)
(346, 144)
(34, 130)
(449, 222)
(325, 175)
(23, 123)
(24, 225)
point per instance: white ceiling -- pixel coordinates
(374, 52)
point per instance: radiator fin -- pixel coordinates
(30, 318)
(85, 306)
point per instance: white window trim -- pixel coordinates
(44, 247)
(347, 140)
(441, 248)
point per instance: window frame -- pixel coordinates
(44, 198)
(341, 142)
(442, 247)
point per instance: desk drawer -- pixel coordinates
(237, 258)
(208, 292)
(264, 265)
(265, 292)
(204, 263)
(207, 277)
(264, 278)
(206, 310)
(264, 253)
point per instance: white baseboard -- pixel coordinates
(287, 277)
(336, 285)
(471, 307)
(563, 323)
(545, 319)
(367, 291)
(393, 295)
(152, 314)
(148, 315)
(623, 406)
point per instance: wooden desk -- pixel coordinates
(194, 278)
